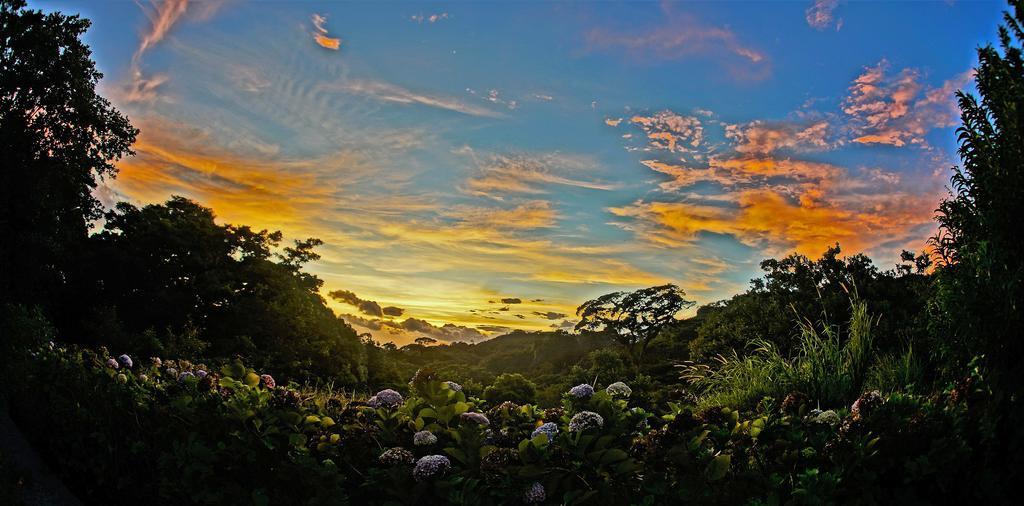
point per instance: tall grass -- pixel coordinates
(896, 372)
(736, 380)
(832, 365)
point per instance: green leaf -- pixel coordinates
(457, 454)
(252, 379)
(612, 456)
(297, 439)
(718, 467)
(541, 441)
(236, 369)
(699, 439)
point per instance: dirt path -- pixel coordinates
(35, 484)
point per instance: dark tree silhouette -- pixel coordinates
(168, 274)
(425, 341)
(634, 318)
(58, 138)
(981, 276)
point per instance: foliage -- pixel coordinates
(512, 387)
(59, 139)
(979, 296)
(798, 285)
(830, 365)
(981, 273)
(181, 432)
(169, 279)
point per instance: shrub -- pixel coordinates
(511, 387)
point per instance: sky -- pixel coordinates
(479, 167)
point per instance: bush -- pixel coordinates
(830, 366)
(178, 432)
(512, 387)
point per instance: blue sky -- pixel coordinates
(452, 155)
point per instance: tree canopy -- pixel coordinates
(59, 139)
(633, 318)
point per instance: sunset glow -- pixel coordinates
(474, 168)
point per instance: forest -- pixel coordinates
(155, 355)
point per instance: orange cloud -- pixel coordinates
(730, 172)
(530, 215)
(762, 137)
(524, 174)
(320, 34)
(894, 110)
(821, 13)
(327, 42)
(765, 218)
(268, 192)
(670, 131)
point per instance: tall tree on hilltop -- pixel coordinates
(634, 318)
(57, 139)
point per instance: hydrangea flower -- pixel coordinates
(122, 378)
(125, 360)
(793, 402)
(396, 456)
(111, 363)
(156, 361)
(865, 404)
(201, 373)
(185, 375)
(549, 429)
(830, 417)
(495, 462)
(143, 378)
(172, 371)
(431, 466)
(583, 391)
(619, 389)
(475, 417)
(385, 399)
(501, 437)
(453, 386)
(424, 438)
(585, 420)
(534, 494)
(268, 380)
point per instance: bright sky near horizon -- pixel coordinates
(479, 167)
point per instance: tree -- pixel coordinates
(634, 318)
(168, 273)
(797, 287)
(58, 139)
(981, 271)
(979, 293)
(425, 341)
(511, 387)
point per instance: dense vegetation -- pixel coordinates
(829, 380)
